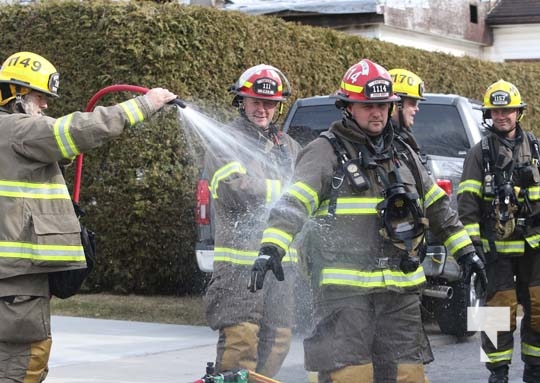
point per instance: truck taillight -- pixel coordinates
(445, 185)
(202, 210)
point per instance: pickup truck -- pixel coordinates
(446, 127)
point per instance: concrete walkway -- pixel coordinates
(106, 351)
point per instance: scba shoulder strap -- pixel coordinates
(348, 167)
(491, 179)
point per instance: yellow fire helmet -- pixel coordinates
(502, 94)
(26, 71)
(407, 84)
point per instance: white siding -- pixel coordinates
(511, 42)
(432, 43)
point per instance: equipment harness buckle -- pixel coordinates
(383, 263)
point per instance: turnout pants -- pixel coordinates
(25, 328)
(365, 336)
(255, 329)
(512, 281)
(25, 339)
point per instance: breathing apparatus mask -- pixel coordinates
(403, 224)
(505, 208)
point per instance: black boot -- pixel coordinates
(531, 373)
(499, 375)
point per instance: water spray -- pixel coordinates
(90, 107)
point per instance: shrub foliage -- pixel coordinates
(138, 190)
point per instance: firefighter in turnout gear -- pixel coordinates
(39, 231)
(371, 201)
(499, 204)
(245, 180)
(410, 89)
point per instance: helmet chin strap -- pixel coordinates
(19, 100)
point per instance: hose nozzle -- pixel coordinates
(178, 102)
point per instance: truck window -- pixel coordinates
(439, 130)
(309, 121)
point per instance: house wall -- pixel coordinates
(449, 18)
(420, 40)
(514, 42)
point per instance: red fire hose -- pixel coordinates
(89, 107)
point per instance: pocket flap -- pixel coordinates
(56, 224)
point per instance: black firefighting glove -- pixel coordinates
(471, 263)
(479, 248)
(268, 259)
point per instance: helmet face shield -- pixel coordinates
(54, 83)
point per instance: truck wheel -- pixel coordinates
(451, 314)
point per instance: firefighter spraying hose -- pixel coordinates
(90, 107)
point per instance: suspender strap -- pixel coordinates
(339, 175)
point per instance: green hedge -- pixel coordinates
(144, 220)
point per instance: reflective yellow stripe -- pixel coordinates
(351, 88)
(133, 111)
(499, 356)
(239, 257)
(57, 253)
(273, 190)
(473, 229)
(433, 195)
(534, 193)
(277, 237)
(247, 257)
(351, 206)
(291, 256)
(533, 240)
(223, 173)
(306, 195)
(63, 136)
(457, 241)
(506, 247)
(17, 189)
(529, 349)
(471, 186)
(372, 279)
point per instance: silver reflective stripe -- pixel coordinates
(63, 136)
(351, 206)
(246, 257)
(16, 189)
(277, 237)
(506, 247)
(133, 112)
(433, 195)
(457, 241)
(372, 279)
(534, 193)
(239, 257)
(500, 356)
(306, 195)
(57, 253)
(223, 173)
(273, 190)
(530, 350)
(472, 186)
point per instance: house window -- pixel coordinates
(473, 11)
